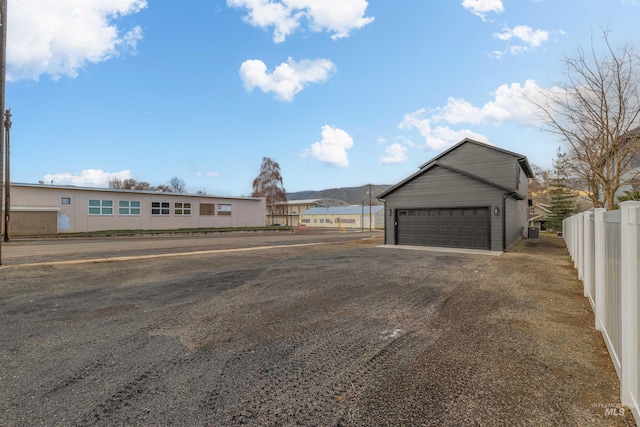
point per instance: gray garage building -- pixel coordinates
(472, 196)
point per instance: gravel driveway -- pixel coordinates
(341, 333)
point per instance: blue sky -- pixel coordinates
(339, 92)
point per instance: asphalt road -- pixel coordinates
(323, 329)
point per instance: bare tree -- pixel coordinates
(268, 184)
(539, 184)
(177, 185)
(129, 184)
(595, 112)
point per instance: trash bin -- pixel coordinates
(534, 233)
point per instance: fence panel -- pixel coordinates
(630, 229)
(589, 264)
(605, 248)
(612, 296)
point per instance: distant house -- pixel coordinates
(293, 209)
(38, 209)
(538, 214)
(632, 177)
(352, 217)
(472, 195)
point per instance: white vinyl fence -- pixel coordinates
(605, 248)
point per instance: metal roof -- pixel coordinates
(122, 190)
(343, 210)
(315, 201)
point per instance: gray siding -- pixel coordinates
(497, 167)
(517, 220)
(442, 188)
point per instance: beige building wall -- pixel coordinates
(358, 221)
(130, 209)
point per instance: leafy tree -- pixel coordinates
(268, 184)
(596, 111)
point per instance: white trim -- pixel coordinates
(34, 209)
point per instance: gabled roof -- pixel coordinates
(427, 167)
(522, 160)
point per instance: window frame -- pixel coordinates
(104, 207)
(162, 209)
(182, 208)
(129, 208)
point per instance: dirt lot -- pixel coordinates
(341, 333)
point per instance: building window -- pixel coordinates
(100, 207)
(66, 200)
(306, 221)
(160, 208)
(224, 209)
(182, 208)
(207, 209)
(322, 221)
(126, 207)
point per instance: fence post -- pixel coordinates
(600, 244)
(580, 247)
(629, 212)
(586, 253)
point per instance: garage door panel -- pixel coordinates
(455, 227)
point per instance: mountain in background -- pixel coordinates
(351, 195)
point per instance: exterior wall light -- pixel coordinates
(496, 211)
(389, 212)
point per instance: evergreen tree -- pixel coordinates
(561, 197)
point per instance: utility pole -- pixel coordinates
(7, 181)
(370, 219)
(3, 72)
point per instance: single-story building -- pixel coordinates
(472, 195)
(354, 216)
(290, 211)
(39, 209)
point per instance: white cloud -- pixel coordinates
(395, 153)
(332, 149)
(338, 17)
(87, 178)
(287, 79)
(61, 37)
(509, 103)
(213, 174)
(482, 7)
(522, 34)
(438, 137)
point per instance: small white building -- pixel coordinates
(38, 209)
(354, 216)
